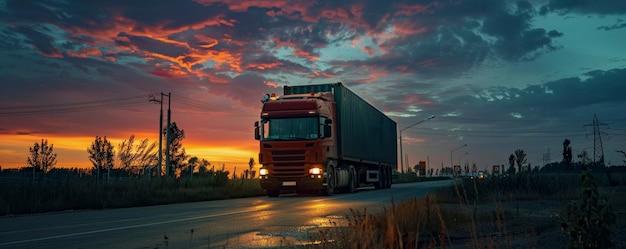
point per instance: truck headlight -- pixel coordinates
(315, 171)
(263, 172)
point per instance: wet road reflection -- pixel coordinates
(286, 221)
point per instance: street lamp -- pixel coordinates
(462, 156)
(451, 163)
(401, 153)
(462, 168)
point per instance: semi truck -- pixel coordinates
(322, 139)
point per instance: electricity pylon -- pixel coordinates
(598, 151)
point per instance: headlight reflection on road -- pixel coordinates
(321, 212)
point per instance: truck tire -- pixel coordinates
(381, 179)
(389, 178)
(352, 183)
(330, 181)
(272, 192)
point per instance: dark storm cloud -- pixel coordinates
(70, 14)
(431, 39)
(452, 38)
(620, 25)
(559, 99)
(247, 89)
(40, 41)
(442, 38)
(517, 40)
(602, 7)
(169, 14)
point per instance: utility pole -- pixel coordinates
(151, 98)
(598, 151)
(169, 137)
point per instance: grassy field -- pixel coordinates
(85, 193)
(519, 211)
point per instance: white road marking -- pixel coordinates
(125, 227)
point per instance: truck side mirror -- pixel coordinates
(257, 136)
(327, 131)
(328, 128)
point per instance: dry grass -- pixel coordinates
(514, 212)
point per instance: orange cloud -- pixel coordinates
(263, 66)
(369, 50)
(270, 84)
(85, 52)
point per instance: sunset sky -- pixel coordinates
(499, 75)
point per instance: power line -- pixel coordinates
(204, 106)
(116, 103)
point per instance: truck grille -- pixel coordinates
(288, 163)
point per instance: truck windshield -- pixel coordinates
(290, 128)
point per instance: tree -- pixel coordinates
(511, 164)
(41, 157)
(520, 159)
(567, 153)
(204, 166)
(178, 156)
(101, 155)
(192, 163)
(249, 173)
(137, 158)
(584, 158)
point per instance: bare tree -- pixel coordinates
(41, 157)
(511, 164)
(101, 155)
(251, 166)
(520, 159)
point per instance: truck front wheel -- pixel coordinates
(330, 181)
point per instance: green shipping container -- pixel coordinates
(365, 134)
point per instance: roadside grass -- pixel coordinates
(451, 217)
(86, 193)
(447, 218)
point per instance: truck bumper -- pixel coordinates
(305, 183)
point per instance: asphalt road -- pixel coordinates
(238, 223)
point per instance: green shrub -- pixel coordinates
(589, 222)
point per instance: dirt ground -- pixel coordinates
(525, 224)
